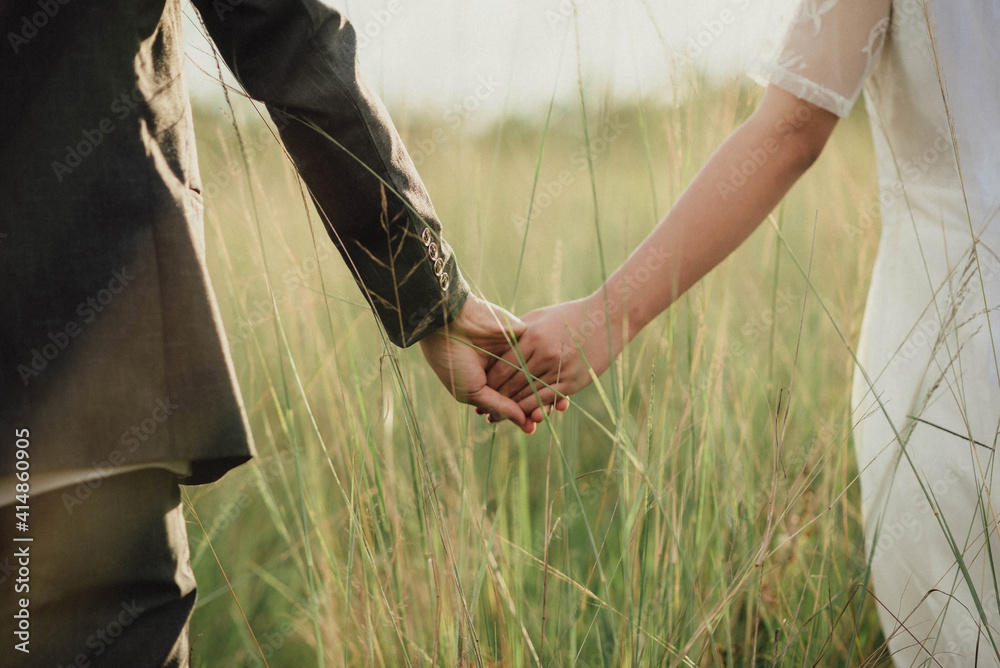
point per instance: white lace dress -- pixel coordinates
(926, 392)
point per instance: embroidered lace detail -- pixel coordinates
(801, 87)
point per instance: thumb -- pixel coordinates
(509, 321)
(516, 325)
(500, 316)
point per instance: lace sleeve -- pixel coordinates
(830, 49)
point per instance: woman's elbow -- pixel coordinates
(802, 128)
(810, 140)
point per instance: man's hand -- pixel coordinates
(561, 346)
(461, 353)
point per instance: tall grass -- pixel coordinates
(697, 508)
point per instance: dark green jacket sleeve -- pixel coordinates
(299, 58)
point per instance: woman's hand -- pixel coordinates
(563, 345)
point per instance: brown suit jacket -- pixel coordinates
(111, 347)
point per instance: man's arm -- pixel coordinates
(299, 57)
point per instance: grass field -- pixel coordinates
(701, 511)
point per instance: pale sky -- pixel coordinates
(480, 59)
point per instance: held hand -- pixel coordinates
(460, 354)
(561, 346)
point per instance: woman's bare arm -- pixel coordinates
(732, 194)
